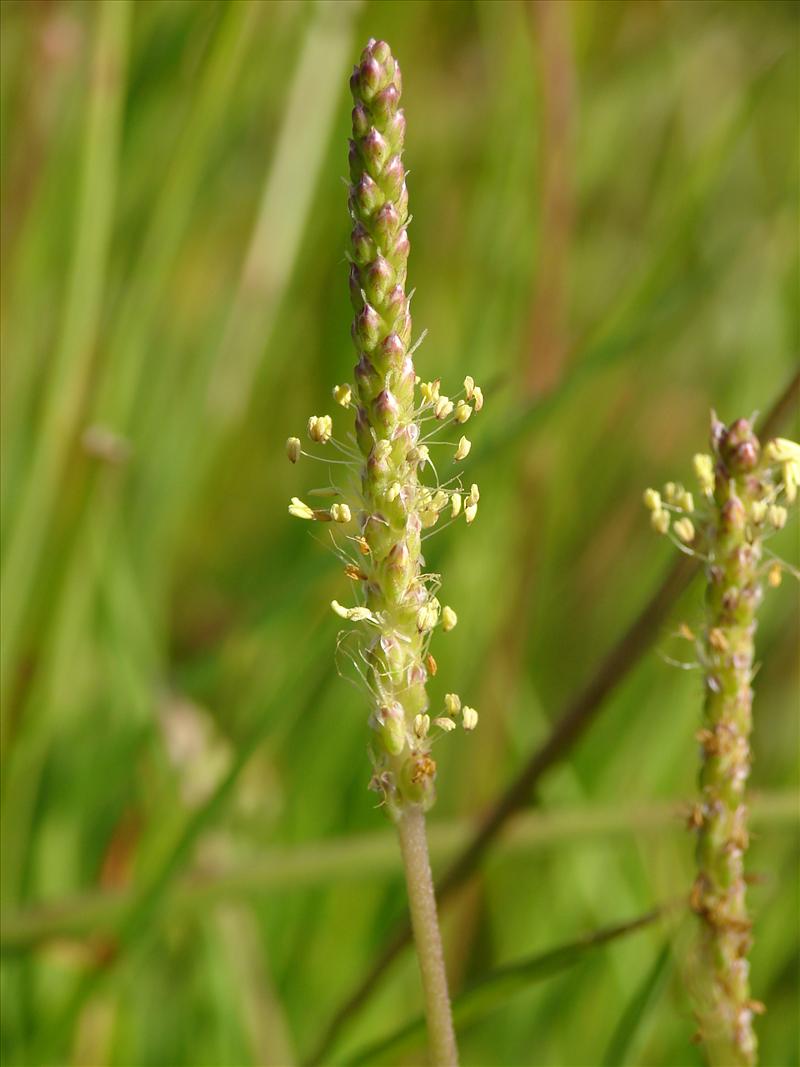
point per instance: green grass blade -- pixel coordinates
(628, 1029)
(499, 986)
(68, 376)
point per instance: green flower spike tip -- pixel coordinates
(743, 500)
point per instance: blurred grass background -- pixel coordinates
(605, 235)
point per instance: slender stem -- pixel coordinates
(424, 921)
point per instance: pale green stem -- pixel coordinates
(425, 923)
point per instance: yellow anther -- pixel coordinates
(775, 575)
(443, 407)
(686, 501)
(791, 479)
(300, 510)
(428, 615)
(340, 513)
(455, 505)
(777, 516)
(449, 619)
(343, 394)
(469, 718)
(469, 386)
(684, 530)
(352, 614)
(758, 510)
(782, 450)
(463, 411)
(422, 723)
(320, 428)
(445, 724)
(452, 703)
(659, 520)
(704, 472)
(430, 391)
(477, 398)
(293, 448)
(652, 499)
(462, 450)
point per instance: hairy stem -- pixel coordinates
(422, 905)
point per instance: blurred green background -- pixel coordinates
(606, 236)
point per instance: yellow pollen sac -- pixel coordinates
(470, 511)
(782, 450)
(775, 575)
(477, 398)
(469, 386)
(469, 718)
(428, 615)
(704, 472)
(452, 704)
(449, 619)
(300, 510)
(758, 511)
(791, 479)
(659, 520)
(343, 394)
(340, 513)
(422, 723)
(684, 530)
(445, 724)
(293, 448)
(462, 451)
(652, 499)
(777, 516)
(443, 407)
(455, 505)
(430, 391)
(352, 614)
(320, 428)
(463, 411)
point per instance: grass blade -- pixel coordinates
(68, 375)
(629, 1027)
(497, 987)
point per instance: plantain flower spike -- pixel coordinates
(740, 484)
(383, 501)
